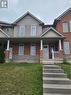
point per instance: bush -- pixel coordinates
(65, 61)
(2, 56)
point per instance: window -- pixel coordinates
(33, 50)
(66, 48)
(3, 3)
(65, 27)
(33, 30)
(70, 26)
(21, 50)
(21, 31)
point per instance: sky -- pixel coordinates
(45, 10)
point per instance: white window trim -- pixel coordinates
(67, 51)
(70, 25)
(35, 30)
(65, 27)
(31, 51)
(21, 52)
(19, 35)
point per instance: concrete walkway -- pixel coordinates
(55, 82)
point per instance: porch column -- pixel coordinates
(60, 48)
(60, 51)
(41, 51)
(8, 42)
(7, 52)
(41, 45)
(52, 53)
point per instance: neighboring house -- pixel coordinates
(28, 39)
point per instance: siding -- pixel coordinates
(27, 22)
(9, 32)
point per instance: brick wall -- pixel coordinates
(26, 49)
(59, 28)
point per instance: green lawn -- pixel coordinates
(67, 69)
(20, 79)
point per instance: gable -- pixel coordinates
(28, 14)
(28, 20)
(68, 11)
(52, 33)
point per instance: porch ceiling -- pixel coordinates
(51, 40)
(30, 40)
(23, 40)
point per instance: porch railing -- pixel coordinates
(26, 58)
(56, 54)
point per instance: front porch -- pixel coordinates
(34, 50)
(51, 50)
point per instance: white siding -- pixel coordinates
(28, 21)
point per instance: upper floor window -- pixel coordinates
(33, 30)
(21, 31)
(70, 26)
(65, 27)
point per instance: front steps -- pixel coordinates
(55, 82)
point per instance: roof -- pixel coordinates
(28, 13)
(51, 28)
(63, 14)
(48, 25)
(2, 23)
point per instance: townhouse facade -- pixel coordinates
(28, 39)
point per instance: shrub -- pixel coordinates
(65, 61)
(2, 56)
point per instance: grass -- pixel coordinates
(20, 79)
(67, 69)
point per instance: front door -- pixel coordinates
(45, 52)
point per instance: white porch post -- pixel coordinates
(52, 53)
(41, 51)
(8, 44)
(41, 45)
(60, 48)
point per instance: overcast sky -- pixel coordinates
(45, 10)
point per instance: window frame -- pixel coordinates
(22, 34)
(21, 52)
(33, 33)
(70, 25)
(32, 49)
(66, 48)
(65, 22)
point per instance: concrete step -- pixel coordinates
(53, 70)
(51, 88)
(54, 94)
(56, 75)
(58, 81)
(49, 64)
(51, 67)
(46, 78)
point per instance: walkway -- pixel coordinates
(55, 82)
